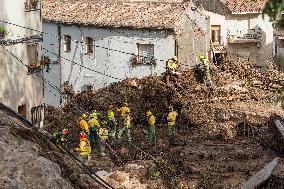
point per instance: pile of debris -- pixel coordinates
(26, 154)
(241, 94)
(240, 108)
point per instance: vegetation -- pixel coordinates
(3, 29)
(275, 9)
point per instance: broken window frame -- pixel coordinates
(216, 34)
(146, 54)
(67, 43)
(89, 45)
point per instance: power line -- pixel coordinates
(41, 32)
(83, 42)
(85, 67)
(20, 61)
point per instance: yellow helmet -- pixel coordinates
(84, 116)
(174, 58)
(149, 113)
(201, 57)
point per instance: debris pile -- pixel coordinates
(27, 154)
(240, 108)
(241, 94)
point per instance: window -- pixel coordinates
(67, 43)
(22, 110)
(89, 46)
(32, 53)
(215, 34)
(146, 53)
(31, 5)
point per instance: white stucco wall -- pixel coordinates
(16, 87)
(107, 61)
(220, 20)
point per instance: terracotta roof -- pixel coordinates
(245, 6)
(158, 15)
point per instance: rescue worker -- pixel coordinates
(152, 128)
(94, 126)
(103, 134)
(84, 126)
(207, 76)
(60, 137)
(94, 114)
(84, 149)
(171, 68)
(122, 111)
(171, 119)
(125, 128)
(111, 121)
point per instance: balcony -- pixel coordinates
(245, 38)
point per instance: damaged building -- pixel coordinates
(240, 31)
(94, 44)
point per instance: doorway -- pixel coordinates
(22, 110)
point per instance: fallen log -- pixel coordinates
(261, 176)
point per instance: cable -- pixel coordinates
(87, 170)
(20, 61)
(83, 42)
(82, 65)
(27, 28)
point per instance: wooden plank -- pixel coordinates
(261, 176)
(280, 127)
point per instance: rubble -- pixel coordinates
(26, 155)
(220, 129)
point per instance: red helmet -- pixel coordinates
(82, 136)
(65, 131)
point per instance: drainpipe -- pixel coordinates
(59, 59)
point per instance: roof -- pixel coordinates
(135, 14)
(245, 6)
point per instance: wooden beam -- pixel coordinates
(280, 127)
(261, 176)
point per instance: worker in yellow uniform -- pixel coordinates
(103, 134)
(60, 137)
(152, 128)
(207, 76)
(171, 119)
(94, 114)
(171, 69)
(111, 121)
(84, 147)
(125, 128)
(122, 111)
(84, 126)
(94, 128)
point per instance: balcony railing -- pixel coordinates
(245, 38)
